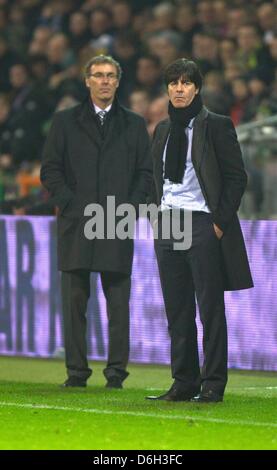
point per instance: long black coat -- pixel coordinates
(218, 164)
(80, 167)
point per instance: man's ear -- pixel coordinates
(87, 83)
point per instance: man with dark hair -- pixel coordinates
(198, 169)
(29, 110)
(95, 150)
(148, 74)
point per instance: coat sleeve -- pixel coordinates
(52, 173)
(152, 197)
(143, 170)
(234, 178)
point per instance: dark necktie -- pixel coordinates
(102, 116)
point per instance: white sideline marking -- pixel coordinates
(140, 414)
(260, 388)
(151, 389)
(230, 388)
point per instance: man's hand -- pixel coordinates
(218, 232)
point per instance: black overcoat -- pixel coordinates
(219, 167)
(79, 167)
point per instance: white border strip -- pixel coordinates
(139, 414)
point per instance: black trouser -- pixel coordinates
(197, 270)
(75, 295)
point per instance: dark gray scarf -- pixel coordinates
(177, 145)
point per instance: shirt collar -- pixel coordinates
(97, 109)
(190, 126)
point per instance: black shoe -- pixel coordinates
(114, 382)
(207, 397)
(74, 381)
(174, 394)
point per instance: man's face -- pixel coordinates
(247, 38)
(181, 92)
(18, 76)
(147, 71)
(102, 83)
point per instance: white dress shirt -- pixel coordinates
(186, 195)
(97, 109)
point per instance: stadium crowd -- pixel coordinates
(44, 45)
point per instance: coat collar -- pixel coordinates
(199, 137)
(84, 116)
(118, 124)
(198, 140)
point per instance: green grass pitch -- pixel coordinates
(35, 413)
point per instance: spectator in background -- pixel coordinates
(88, 5)
(78, 31)
(273, 52)
(5, 133)
(251, 53)
(7, 59)
(63, 71)
(148, 74)
(121, 15)
(29, 109)
(266, 14)
(258, 106)
(205, 51)
(237, 16)
(157, 111)
(32, 9)
(126, 52)
(163, 17)
(232, 71)
(60, 55)
(220, 11)
(39, 69)
(227, 51)
(214, 93)
(187, 24)
(273, 96)
(142, 23)
(205, 16)
(39, 40)
(240, 92)
(139, 102)
(100, 29)
(55, 14)
(3, 20)
(19, 188)
(17, 32)
(167, 45)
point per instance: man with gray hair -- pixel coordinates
(96, 150)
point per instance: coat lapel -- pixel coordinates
(117, 126)
(158, 150)
(199, 137)
(86, 121)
